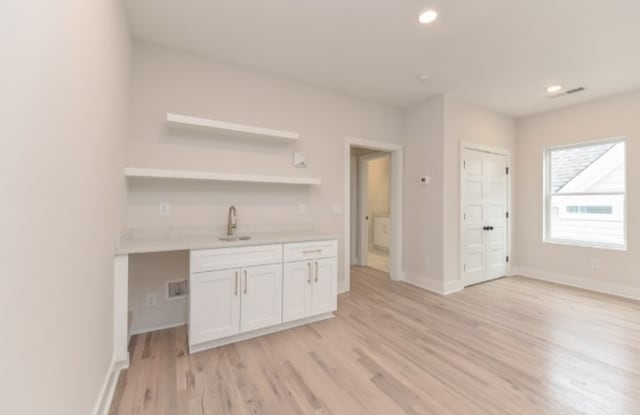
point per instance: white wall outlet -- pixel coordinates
(150, 300)
(337, 208)
(425, 180)
(299, 159)
(595, 264)
(165, 209)
(302, 208)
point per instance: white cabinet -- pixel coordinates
(224, 303)
(214, 306)
(227, 258)
(325, 291)
(243, 292)
(296, 298)
(381, 232)
(310, 287)
(310, 250)
(261, 299)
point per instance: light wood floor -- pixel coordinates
(378, 260)
(512, 346)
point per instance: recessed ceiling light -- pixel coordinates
(428, 16)
(554, 88)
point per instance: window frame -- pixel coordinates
(548, 194)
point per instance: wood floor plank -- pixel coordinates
(510, 346)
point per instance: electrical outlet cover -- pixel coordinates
(150, 300)
(165, 209)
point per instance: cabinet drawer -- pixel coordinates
(224, 258)
(310, 250)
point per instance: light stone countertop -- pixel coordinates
(178, 239)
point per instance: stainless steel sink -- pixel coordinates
(233, 238)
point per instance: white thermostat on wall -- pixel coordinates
(425, 180)
(299, 159)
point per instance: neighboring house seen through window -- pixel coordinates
(585, 188)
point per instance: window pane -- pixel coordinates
(595, 168)
(588, 218)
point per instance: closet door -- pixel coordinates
(484, 222)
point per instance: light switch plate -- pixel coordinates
(299, 159)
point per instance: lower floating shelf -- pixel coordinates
(216, 176)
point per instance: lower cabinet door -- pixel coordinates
(261, 304)
(214, 305)
(325, 286)
(296, 291)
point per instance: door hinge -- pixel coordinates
(464, 216)
(507, 259)
(507, 215)
(464, 267)
(464, 164)
(507, 170)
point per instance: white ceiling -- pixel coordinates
(501, 54)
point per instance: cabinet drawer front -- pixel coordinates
(310, 250)
(224, 258)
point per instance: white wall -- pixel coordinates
(423, 132)
(378, 175)
(610, 117)
(466, 122)
(432, 133)
(355, 209)
(167, 80)
(150, 273)
(65, 70)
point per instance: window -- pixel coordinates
(585, 194)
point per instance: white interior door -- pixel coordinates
(484, 220)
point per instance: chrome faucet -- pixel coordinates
(232, 222)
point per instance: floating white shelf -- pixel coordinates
(216, 176)
(227, 127)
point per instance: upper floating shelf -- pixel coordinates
(216, 176)
(246, 131)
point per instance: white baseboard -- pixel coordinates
(580, 282)
(149, 330)
(103, 402)
(451, 287)
(428, 284)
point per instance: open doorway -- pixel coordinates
(371, 207)
(373, 195)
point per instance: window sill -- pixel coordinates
(581, 244)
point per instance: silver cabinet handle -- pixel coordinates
(316, 280)
(245, 281)
(309, 276)
(312, 251)
(236, 291)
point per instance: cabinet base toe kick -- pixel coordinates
(194, 348)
